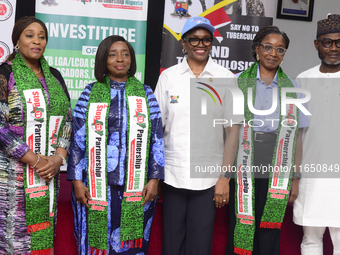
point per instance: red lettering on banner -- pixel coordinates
(250, 217)
(55, 130)
(248, 222)
(245, 133)
(30, 175)
(98, 112)
(133, 199)
(129, 194)
(127, 7)
(278, 163)
(277, 196)
(92, 177)
(43, 188)
(95, 202)
(290, 110)
(97, 208)
(30, 169)
(39, 194)
(284, 191)
(273, 190)
(30, 142)
(92, 202)
(31, 190)
(132, 163)
(104, 203)
(36, 98)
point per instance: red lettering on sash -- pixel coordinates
(278, 164)
(132, 163)
(240, 189)
(93, 180)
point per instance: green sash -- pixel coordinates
(283, 160)
(42, 128)
(137, 147)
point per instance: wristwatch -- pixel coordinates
(228, 174)
(63, 162)
(297, 175)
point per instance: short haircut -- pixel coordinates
(262, 33)
(100, 66)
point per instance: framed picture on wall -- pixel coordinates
(295, 9)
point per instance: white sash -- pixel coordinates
(97, 154)
(244, 177)
(138, 139)
(282, 167)
(54, 127)
(35, 137)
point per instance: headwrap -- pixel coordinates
(329, 25)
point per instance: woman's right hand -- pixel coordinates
(221, 195)
(81, 192)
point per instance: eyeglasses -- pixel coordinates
(327, 42)
(196, 41)
(269, 48)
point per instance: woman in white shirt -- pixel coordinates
(189, 204)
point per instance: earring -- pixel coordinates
(184, 51)
(16, 48)
(257, 57)
(281, 62)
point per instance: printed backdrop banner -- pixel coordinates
(236, 23)
(75, 29)
(7, 19)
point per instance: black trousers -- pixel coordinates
(266, 241)
(188, 221)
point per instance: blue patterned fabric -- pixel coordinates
(116, 166)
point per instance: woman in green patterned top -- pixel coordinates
(35, 124)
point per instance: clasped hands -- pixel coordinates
(50, 168)
(82, 193)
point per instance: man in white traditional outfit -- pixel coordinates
(318, 203)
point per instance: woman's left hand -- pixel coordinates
(51, 169)
(150, 191)
(294, 190)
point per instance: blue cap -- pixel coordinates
(197, 21)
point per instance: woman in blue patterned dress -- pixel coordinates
(35, 131)
(115, 179)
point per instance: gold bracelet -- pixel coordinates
(36, 163)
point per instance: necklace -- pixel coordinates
(38, 72)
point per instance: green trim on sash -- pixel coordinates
(132, 217)
(275, 208)
(132, 213)
(39, 222)
(97, 220)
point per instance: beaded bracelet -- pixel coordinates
(36, 163)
